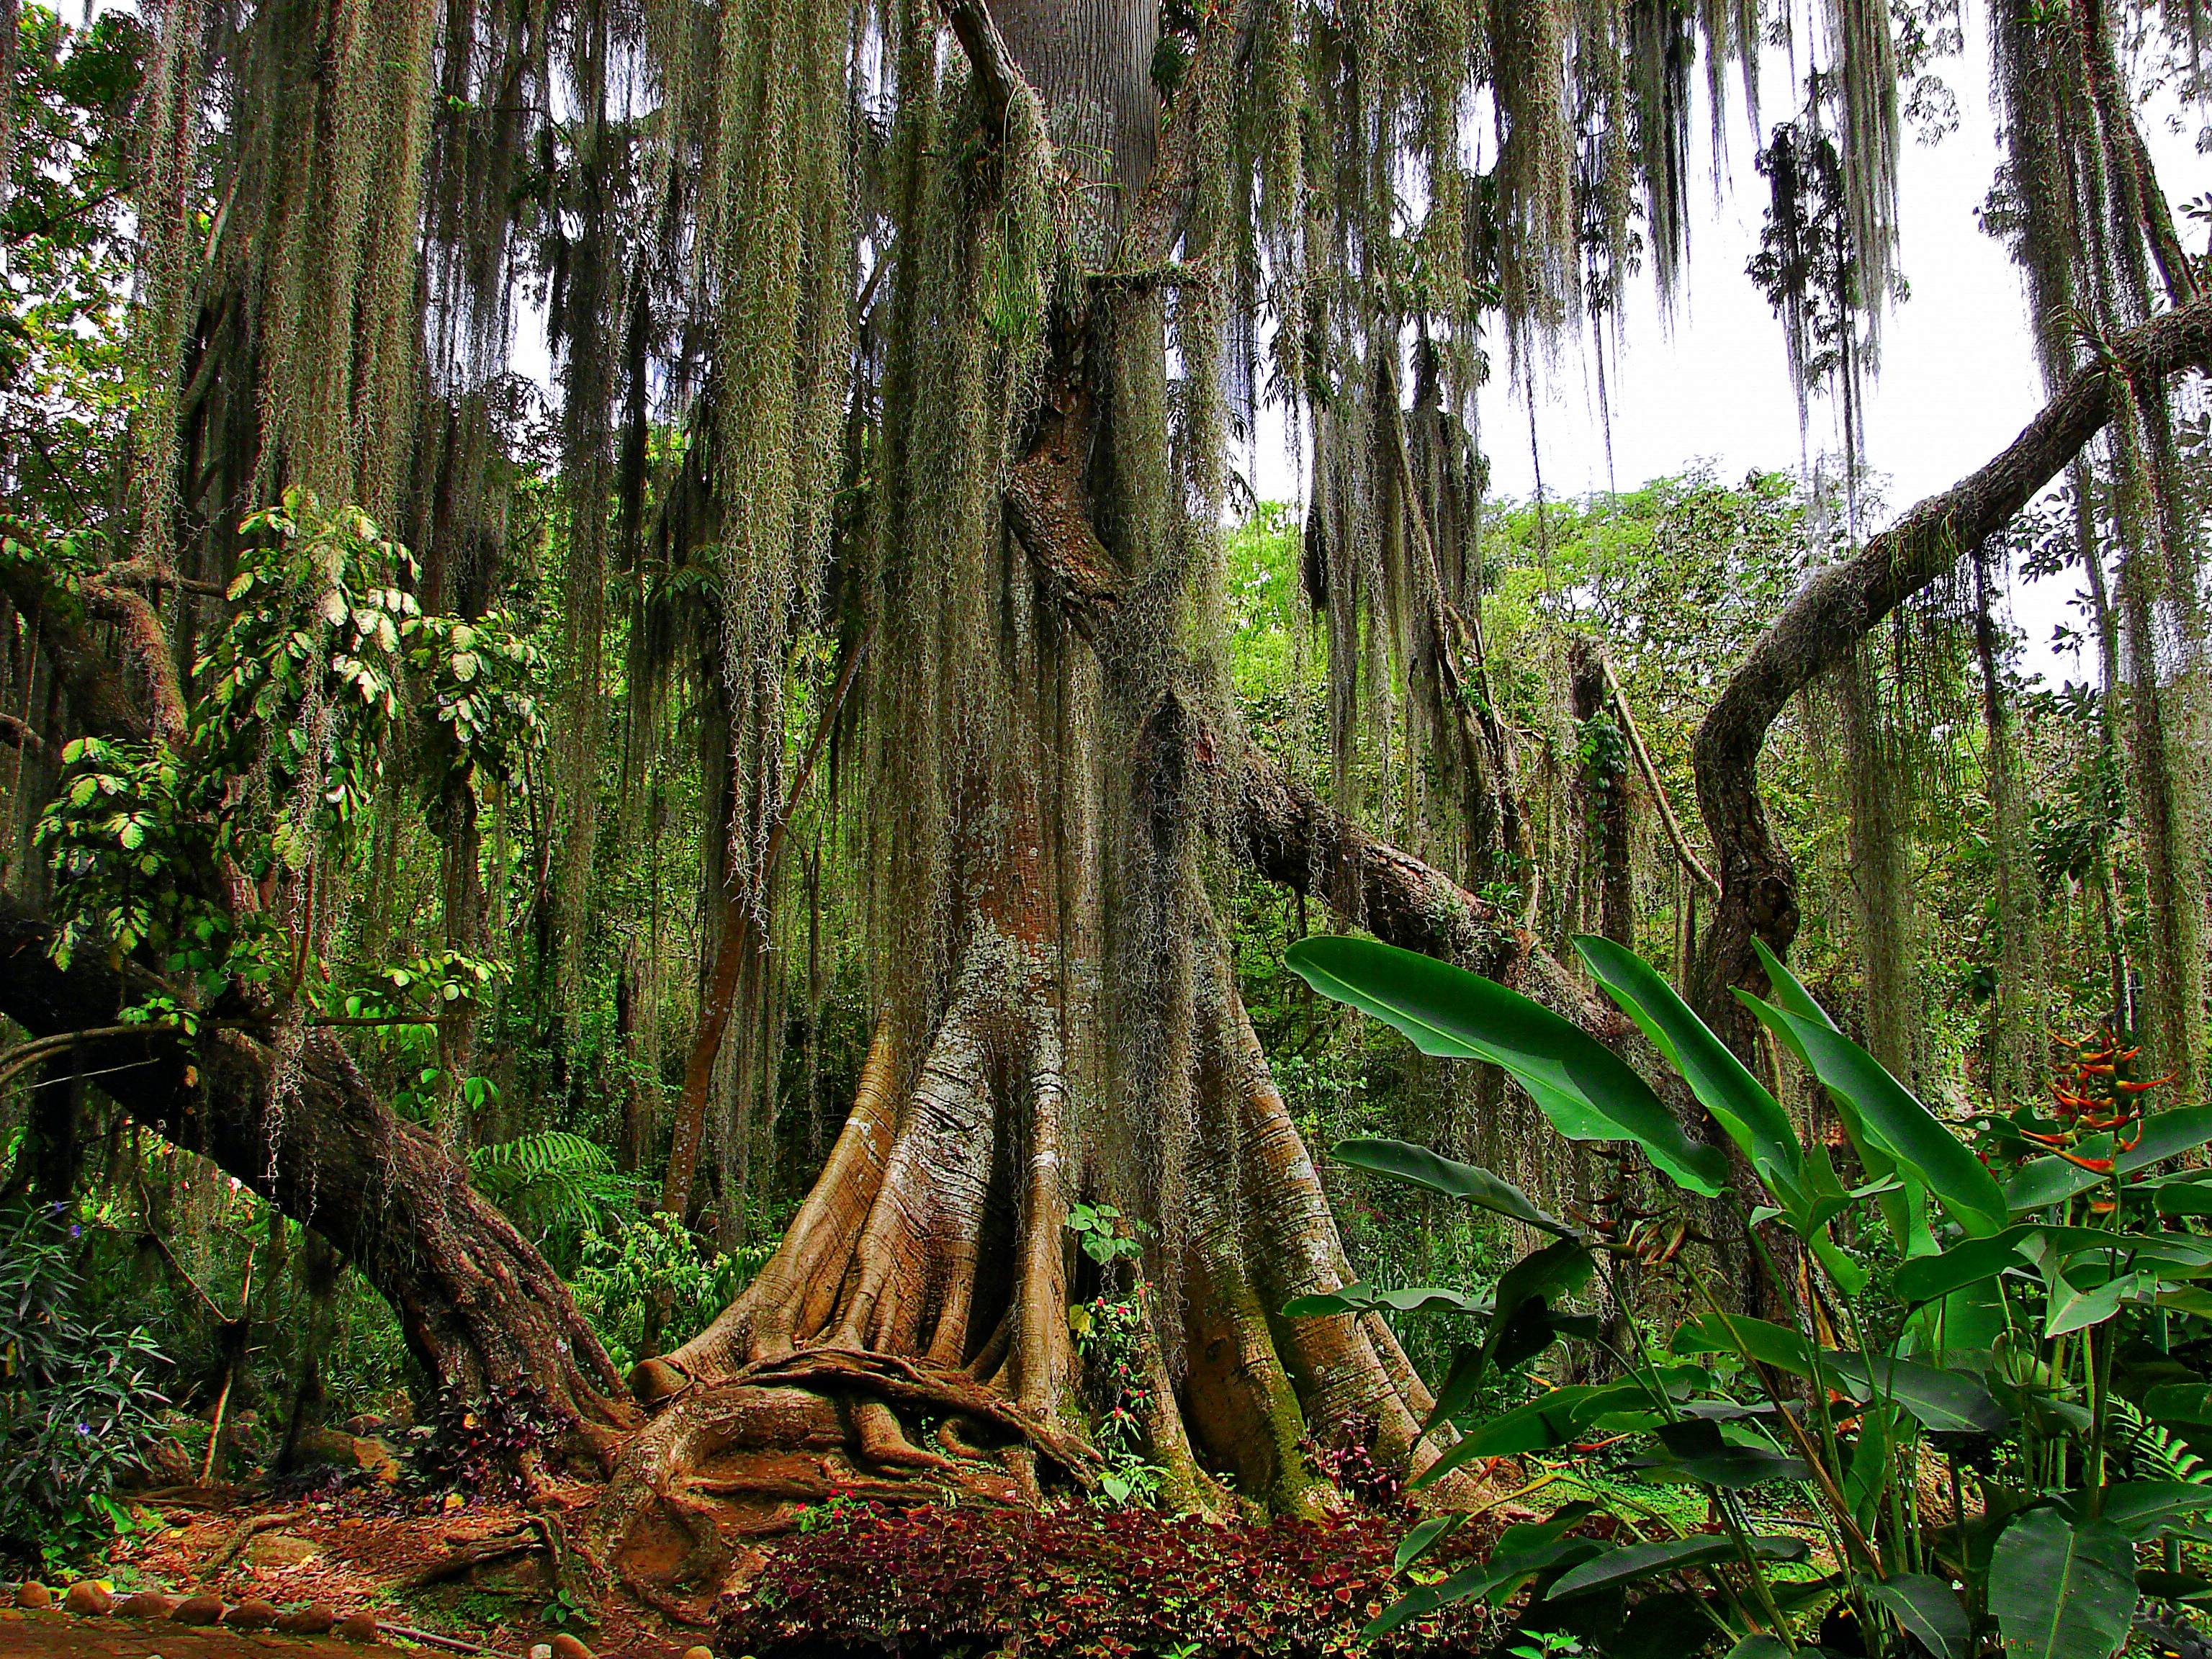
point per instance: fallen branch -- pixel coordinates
(235, 1545)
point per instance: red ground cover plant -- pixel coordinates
(1081, 1580)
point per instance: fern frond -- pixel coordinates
(2158, 1453)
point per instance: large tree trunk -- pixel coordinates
(293, 1120)
(912, 1331)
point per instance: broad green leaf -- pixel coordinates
(1897, 1120)
(1549, 1421)
(2044, 1181)
(1423, 1538)
(2061, 1591)
(1698, 1449)
(2142, 1509)
(2069, 1308)
(2184, 1198)
(1362, 1298)
(1446, 1176)
(2167, 1134)
(1753, 1119)
(1787, 991)
(1754, 1338)
(1931, 1278)
(2180, 1402)
(1928, 1608)
(1587, 1091)
(1760, 1645)
(1941, 1399)
(1635, 1561)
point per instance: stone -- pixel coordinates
(313, 1620)
(565, 1646)
(199, 1610)
(33, 1595)
(281, 1549)
(88, 1599)
(146, 1604)
(357, 1627)
(253, 1615)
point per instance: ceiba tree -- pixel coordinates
(958, 310)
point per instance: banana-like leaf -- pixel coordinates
(2063, 1590)
(2143, 1510)
(1927, 1609)
(1969, 1262)
(1635, 1561)
(1587, 1091)
(2180, 1402)
(2167, 1134)
(1896, 1121)
(1753, 1119)
(1439, 1173)
(1697, 1449)
(1426, 1537)
(1362, 1299)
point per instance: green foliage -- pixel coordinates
(76, 1398)
(2023, 1300)
(559, 1188)
(647, 1285)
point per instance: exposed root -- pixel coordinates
(910, 1338)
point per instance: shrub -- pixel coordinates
(1081, 1579)
(76, 1402)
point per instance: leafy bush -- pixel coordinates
(1079, 1579)
(645, 1286)
(76, 1401)
(2031, 1305)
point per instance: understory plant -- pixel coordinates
(76, 1396)
(1982, 1445)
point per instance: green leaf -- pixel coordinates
(1587, 1091)
(1361, 1298)
(1752, 1118)
(1754, 1338)
(1927, 1609)
(2072, 1309)
(2044, 1181)
(1423, 1538)
(2180, 1402)
(2063, 1591)
(1941, 1399)
(1931, 1278)
(1635, 1561)
(2167, 1134)
(2142, 1509)
(1697, 1448)
(1446, 1176)
(1899, 1123)
(1759, 1645)
(1549, 1421)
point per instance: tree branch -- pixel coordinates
(998, 77)
(1156, 217)
(1823, 622)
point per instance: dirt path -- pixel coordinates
(58, 1636)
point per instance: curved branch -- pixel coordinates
(1823, 624)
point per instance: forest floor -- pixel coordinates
(438, 1565)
